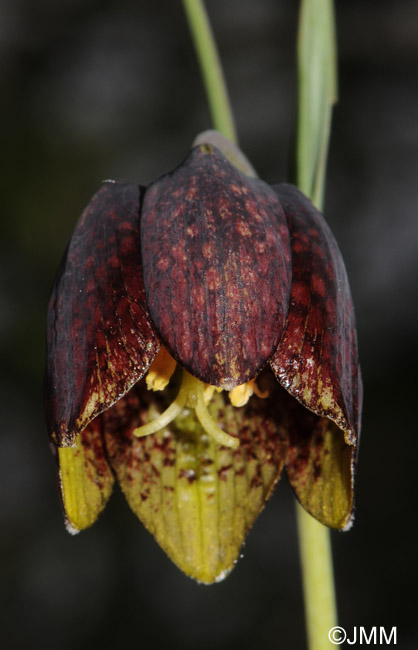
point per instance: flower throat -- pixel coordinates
(193, 394)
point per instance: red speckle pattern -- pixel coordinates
(139, 463)
(230, 274)
(100, 337)
(317, 359)
(216, 263)
(320, 466)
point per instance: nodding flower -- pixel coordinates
(201, 338)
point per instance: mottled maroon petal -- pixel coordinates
(320, 466)
(216, 260)
(317, 360)
(100, 337)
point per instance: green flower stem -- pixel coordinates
(317, 73)
(211, 68)
(318, 580)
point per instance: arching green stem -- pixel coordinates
(211, 68)
(317, 86)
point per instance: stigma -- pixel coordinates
(195, 395)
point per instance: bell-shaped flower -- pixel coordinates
(201, 338)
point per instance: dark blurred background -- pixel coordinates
(93, 90)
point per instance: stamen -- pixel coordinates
(262, 394)
(208, 391)
(240, 395)
(166, 416)
(192, 395)
(207, 422)
(161, 370)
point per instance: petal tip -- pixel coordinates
(70, 527)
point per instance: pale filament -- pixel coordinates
(192, 395)
(195, 395)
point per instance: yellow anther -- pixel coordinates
(161, 370)
(240, 395)
(208, 391)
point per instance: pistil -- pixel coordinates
(191, 395)
(195, 395)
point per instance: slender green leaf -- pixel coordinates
(317, 94)
(211, 68)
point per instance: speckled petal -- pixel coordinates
(216, 261)
(317, 359)
(100, 338)
(320, 466)
(197, 498)
(85, 479)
